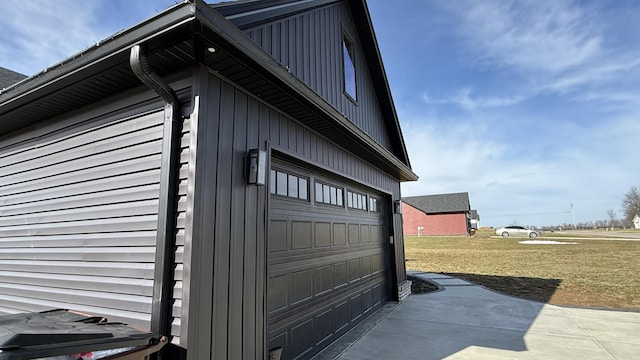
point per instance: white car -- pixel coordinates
(514, 230)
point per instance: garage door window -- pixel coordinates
(289, 185)
(356, 200)
(329, 194)
(375, 205)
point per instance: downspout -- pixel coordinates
(161, 316)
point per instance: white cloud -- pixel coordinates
(446, 157)
(590, 167)
(36, 34)
(551, 35)
(43, 32)
(547, 47)
(615, 70)
(467, 101)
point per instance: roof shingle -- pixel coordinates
(441, 203)
(9, 77)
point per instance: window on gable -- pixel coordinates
(349, 70)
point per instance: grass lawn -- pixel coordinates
(601, 273)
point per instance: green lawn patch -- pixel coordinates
(602, 273)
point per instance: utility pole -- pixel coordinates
(574, 218)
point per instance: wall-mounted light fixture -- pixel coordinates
(397, 207)
(256, 165)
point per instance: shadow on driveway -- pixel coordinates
(524, 287)
(467, 321)
(466, 315)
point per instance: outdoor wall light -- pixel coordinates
(256, 166)
(397, 207)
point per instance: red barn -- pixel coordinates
(442, 214)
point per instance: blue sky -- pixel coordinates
(528, 106)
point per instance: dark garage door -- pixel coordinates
(328, 258)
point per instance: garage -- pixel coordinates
(136, 183)
(328, 258)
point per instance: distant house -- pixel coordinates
(475, 220)
(443, 214)
(9, 77)
(636, 221)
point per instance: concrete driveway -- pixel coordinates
(467, 321)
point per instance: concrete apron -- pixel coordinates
(467, 321)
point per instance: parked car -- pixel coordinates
(514, 230)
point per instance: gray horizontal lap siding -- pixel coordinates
(310, 45)
(78, 219)
(178, 275)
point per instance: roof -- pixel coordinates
(9, 77)
(249, 13)
(176, 39)
(441, 203)
(474, 215)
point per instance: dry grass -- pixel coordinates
(591, 273)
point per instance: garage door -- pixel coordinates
(328, 258)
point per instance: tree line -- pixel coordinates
(630, 208)
(631, 205)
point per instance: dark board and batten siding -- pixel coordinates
(295, 139)
(310, 45)
(226, 219)
(78, 218)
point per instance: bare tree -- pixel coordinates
(621, 223)
(612, 217)
(631, 204)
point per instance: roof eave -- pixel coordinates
(367, 35)
(57, 75)
(197, 12)
(232, 35)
